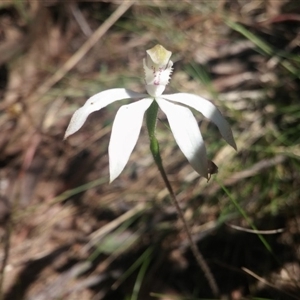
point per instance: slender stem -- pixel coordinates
(154, 147)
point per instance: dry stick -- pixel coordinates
(82, 51)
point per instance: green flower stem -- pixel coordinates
(151, 120)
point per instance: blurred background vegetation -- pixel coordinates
(66, 233)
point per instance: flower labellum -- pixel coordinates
(129, 118)
(158, 69)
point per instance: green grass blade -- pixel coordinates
(245, 216)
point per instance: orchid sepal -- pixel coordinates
(125, 132)
(97, 102)
(187, 134)
(209, 110)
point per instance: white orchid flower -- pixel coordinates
(128, 121)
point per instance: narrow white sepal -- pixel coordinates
(97, 102)
(187, 134)
(208, 109)
(125, 132)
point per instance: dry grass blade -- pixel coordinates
(95, 236)
(265, 282)
(94, 38)
(274, 231)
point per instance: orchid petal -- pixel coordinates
(97, 102)
(125, 132)
(187, 134)
(208, 109)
